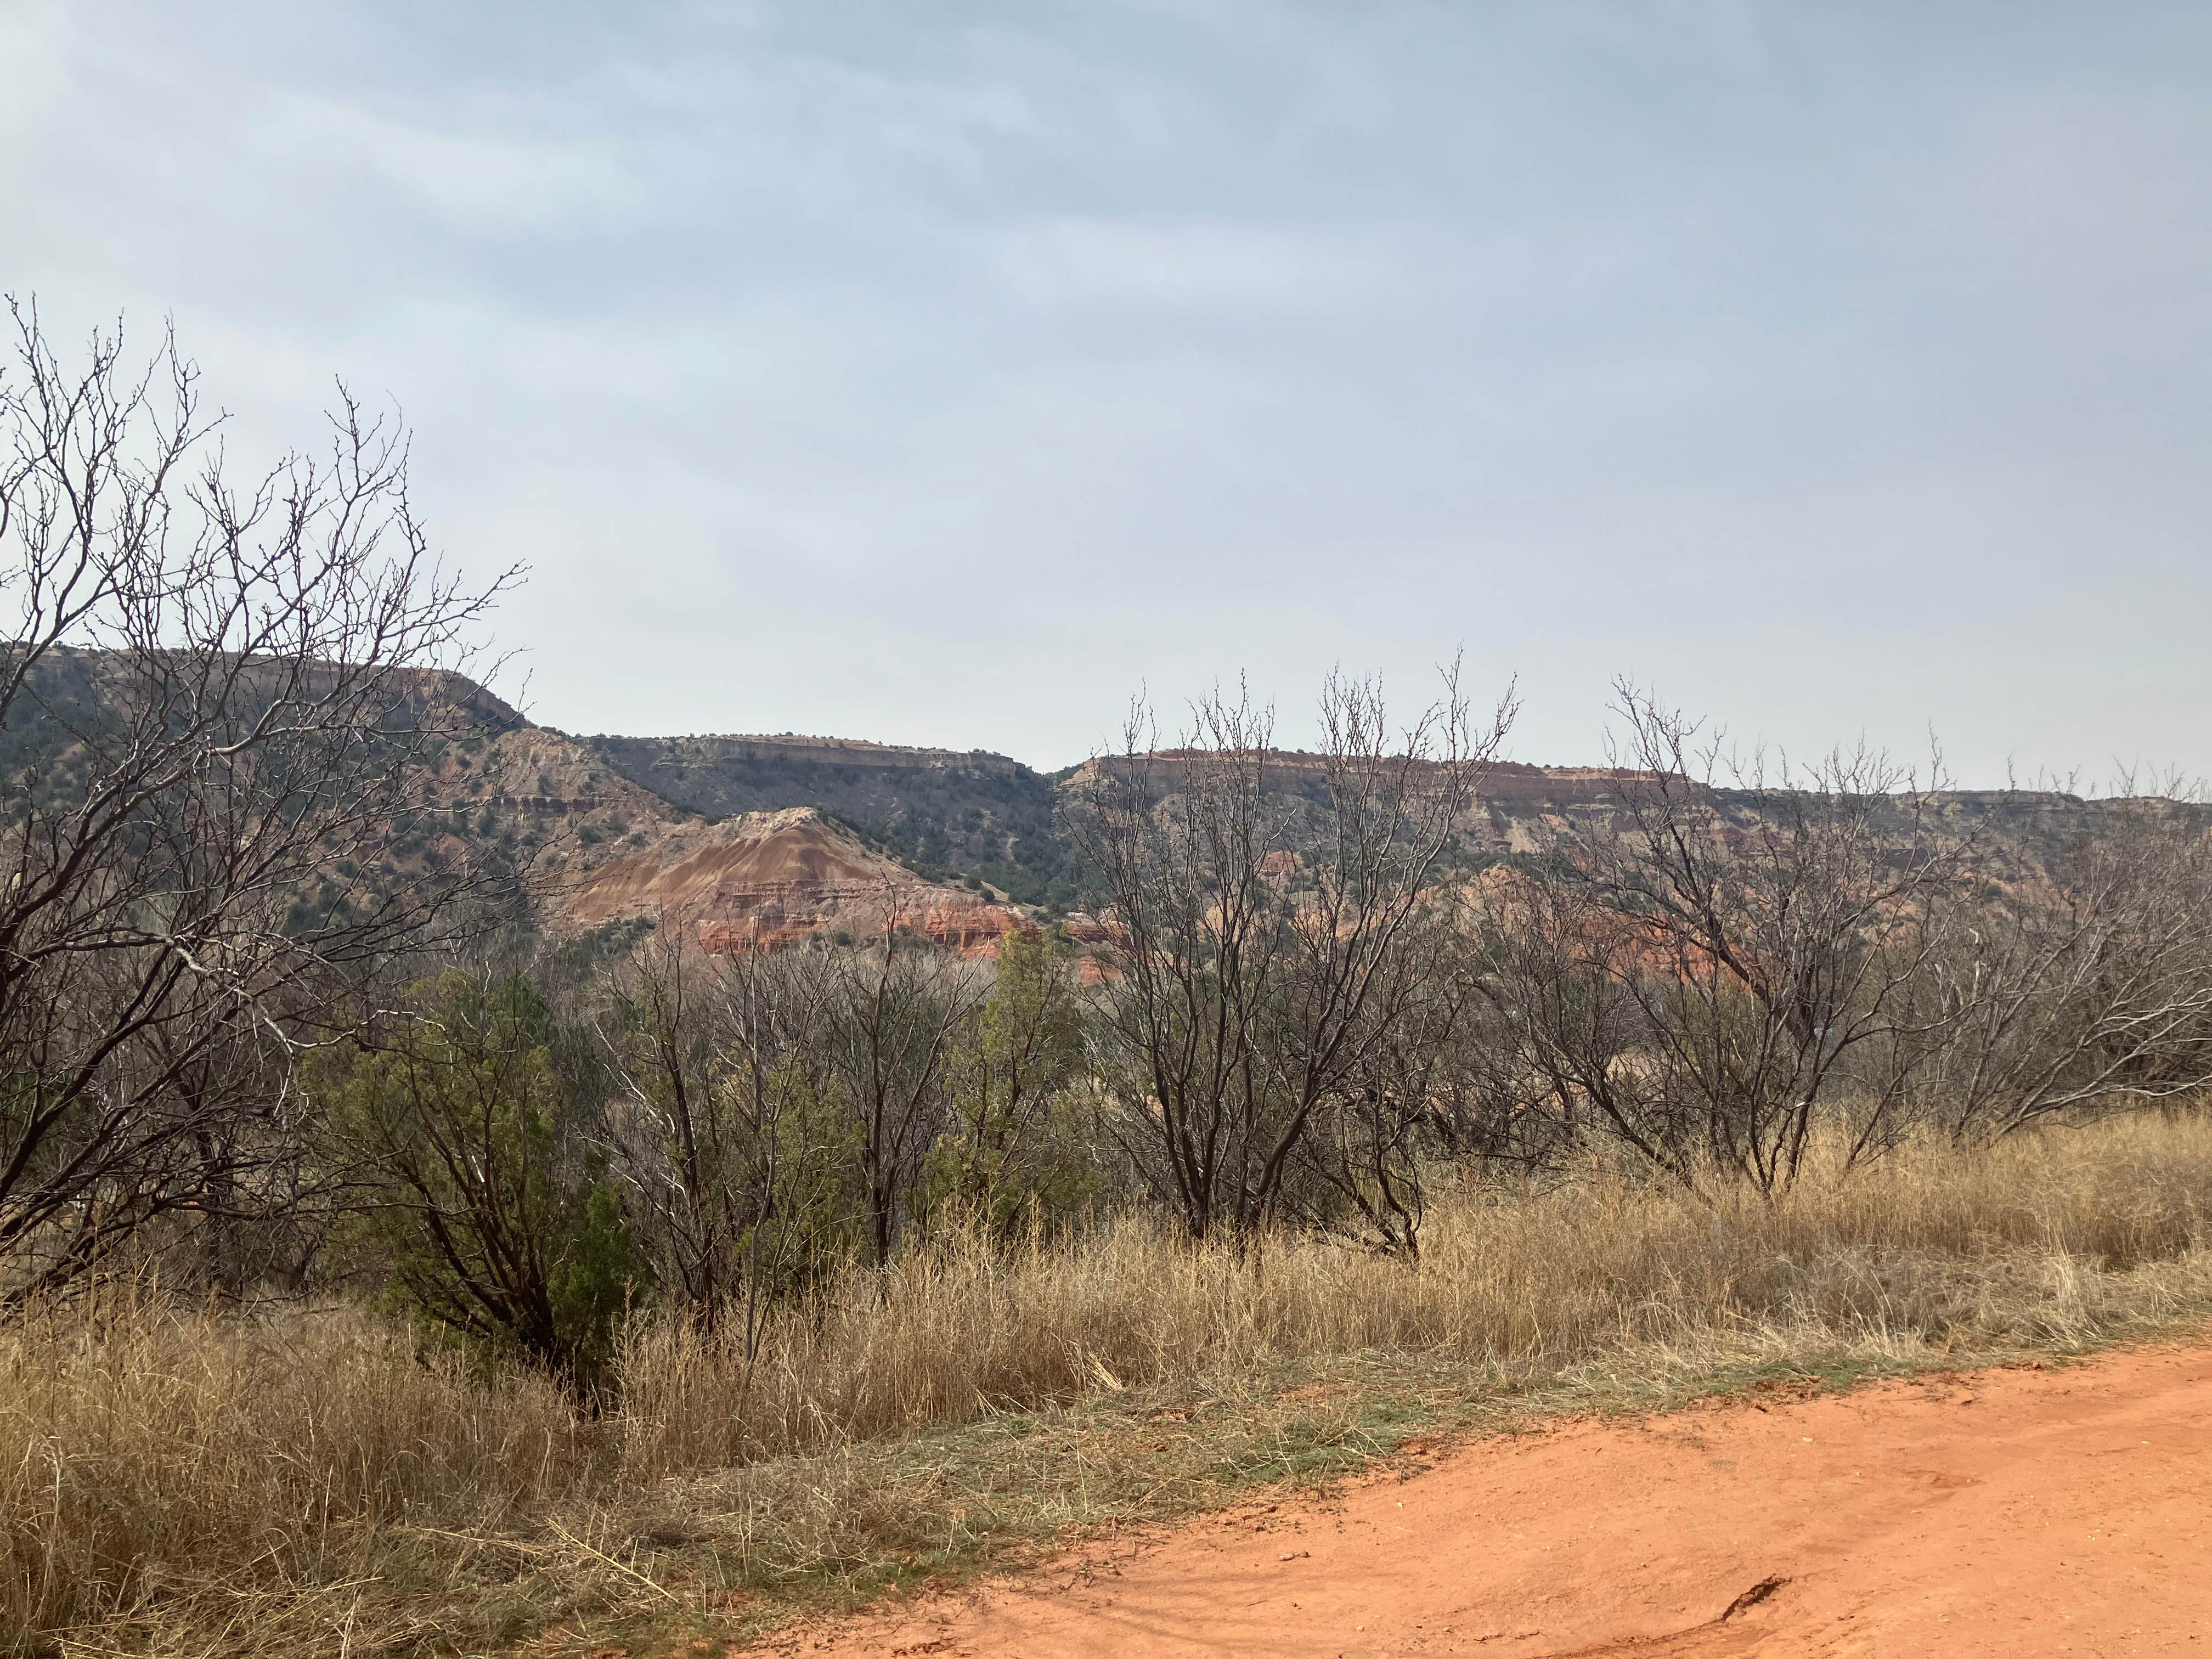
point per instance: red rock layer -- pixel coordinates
(768, 879)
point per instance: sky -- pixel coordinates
(950, 374)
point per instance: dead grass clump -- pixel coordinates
(150, 1457)
(2022, 1242)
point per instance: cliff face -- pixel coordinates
(693, 761)
(2016, 835)
(765, 881)
(1516, 804)
(940, 809)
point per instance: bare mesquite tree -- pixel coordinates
(658, 1028)
(213, 692)
(1743, 946)
(898, 1011)
(1566, 1033)
(2092, 993)
(1187, 845)
(1270, 917)
(728, 1136)
(1363, 1168)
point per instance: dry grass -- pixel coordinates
(191, 1483)
(154, 1459)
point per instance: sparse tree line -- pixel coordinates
(1316, 1002)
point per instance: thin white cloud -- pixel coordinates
(493, 185)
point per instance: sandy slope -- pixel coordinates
(2018, 1512)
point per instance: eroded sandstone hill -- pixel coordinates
(943, 811)
(546, 816)
(764, 880)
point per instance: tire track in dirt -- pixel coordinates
(2018, 1512)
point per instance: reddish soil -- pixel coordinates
(767, 880)
(2018, 1512)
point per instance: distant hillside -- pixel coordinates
(762, 880)
(603, 829)
(505, 797)
(945, 812)
(2023, 834)
(981, 819)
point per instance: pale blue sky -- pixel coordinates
(940, 374)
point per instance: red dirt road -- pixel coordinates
(2010, 1512)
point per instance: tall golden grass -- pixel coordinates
(203, 1481)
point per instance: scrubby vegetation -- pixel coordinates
(377, 1274)
(181, 1478)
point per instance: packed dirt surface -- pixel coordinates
(2018, 1512)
